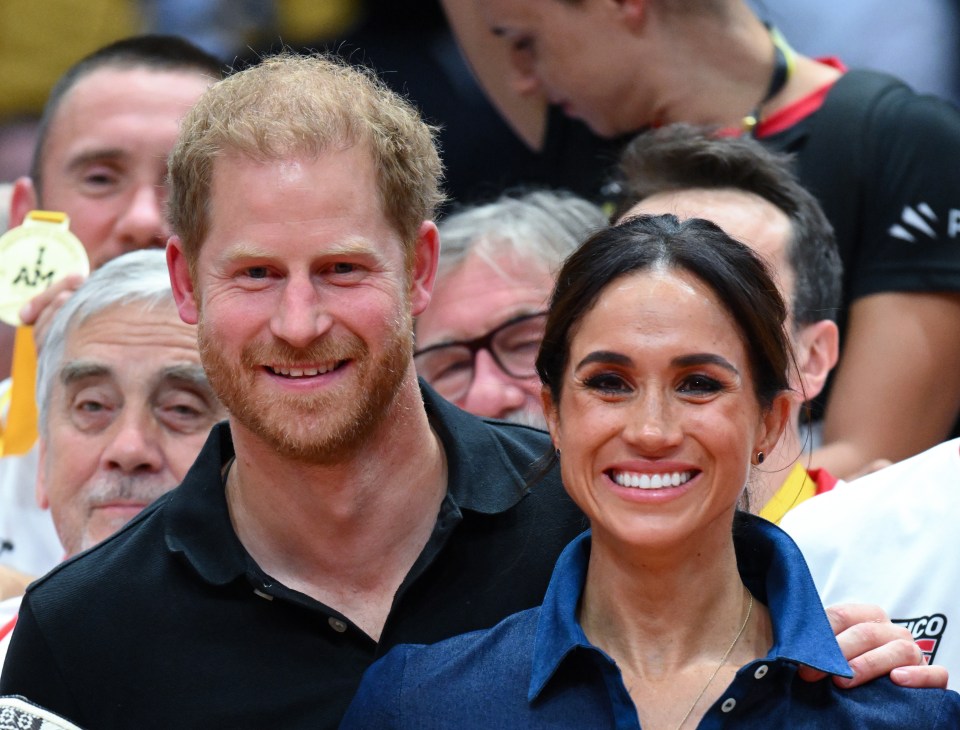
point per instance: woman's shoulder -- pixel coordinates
(881, 703)
(513, 637)
(490, 667)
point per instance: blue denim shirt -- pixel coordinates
(538, 669)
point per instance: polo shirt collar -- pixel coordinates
(197, 519)
(480, 476)
(198, 522)
(772, 569)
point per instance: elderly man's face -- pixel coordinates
(129, 411)
(469, 302)
(105, 158)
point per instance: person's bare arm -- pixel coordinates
(875, 647)
(524, 109)
(13, 582)
(897, 386)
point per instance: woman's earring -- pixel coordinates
(760, 457)
(558, 453)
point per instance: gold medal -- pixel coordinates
(35, 255)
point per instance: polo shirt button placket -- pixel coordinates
(728, 705)
(761, 671)
(337, 625)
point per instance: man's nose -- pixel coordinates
(135, 444)
(143, 224)
(493, 393)
(300, 317)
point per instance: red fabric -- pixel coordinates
(792, 113)
(824, 480)
(7, 627)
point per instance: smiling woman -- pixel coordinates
(664, 365)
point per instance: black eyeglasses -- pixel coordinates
(449, 366)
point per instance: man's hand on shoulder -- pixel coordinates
(875, 647)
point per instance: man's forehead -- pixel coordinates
(119, 83)
(745, 216)
(133, 324)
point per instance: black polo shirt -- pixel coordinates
(170, 623)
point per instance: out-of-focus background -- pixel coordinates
(410, 44)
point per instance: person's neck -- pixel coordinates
(653, 612)
(721, 69)
(345, 533)
(678, 623)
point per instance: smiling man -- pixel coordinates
(124, 405)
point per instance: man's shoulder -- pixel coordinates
(132, 555)
(929, 481)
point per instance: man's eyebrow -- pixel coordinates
(95, 155)
(186, 373)
(76, 370)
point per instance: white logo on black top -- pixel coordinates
(920, 222)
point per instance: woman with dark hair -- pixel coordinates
(664, 368)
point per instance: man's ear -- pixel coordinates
(23, 199)
(818, 348)
(41, 484)
(426, 256)
(180, 280)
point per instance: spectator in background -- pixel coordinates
(100, 157)
(477, 341)
(880, 159)
(124, 405)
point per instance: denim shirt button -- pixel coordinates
(761, 671)
(728, 704)
(337, 625)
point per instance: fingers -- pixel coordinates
(879, 662)
(40, 310)
(874, 647)
(924, 676)
(846, 615)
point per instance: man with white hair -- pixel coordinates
(124, 405)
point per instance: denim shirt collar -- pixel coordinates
(772, 568)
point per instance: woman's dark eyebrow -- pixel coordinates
(685, 361)
(606, 356)
(704, 358)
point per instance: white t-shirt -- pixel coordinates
(28, 540)
(893, 538)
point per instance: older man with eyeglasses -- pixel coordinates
(478, 339)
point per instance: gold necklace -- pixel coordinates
(726, 655)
